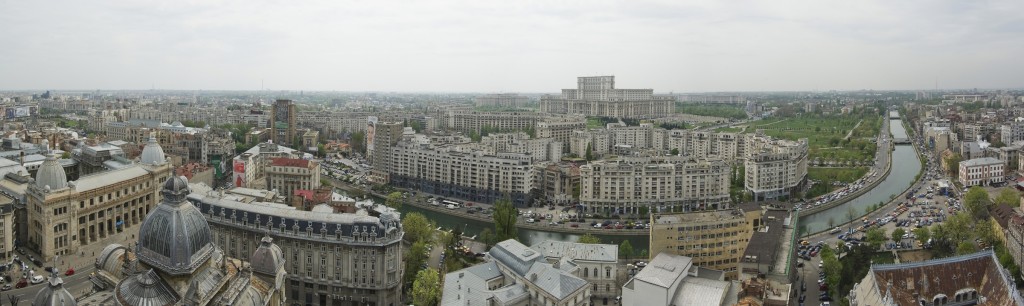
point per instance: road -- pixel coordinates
(937, 209)
(77, 285)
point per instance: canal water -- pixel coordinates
(906, 165)
(526, 236)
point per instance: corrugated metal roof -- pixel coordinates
(107, 178)
(578, 251)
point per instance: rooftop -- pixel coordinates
(578, 251)
(764, 243)
(289, 162)
(984, 161)
(665, 269)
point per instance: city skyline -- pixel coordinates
(457, 46)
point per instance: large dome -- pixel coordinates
(54, 294)
(152, 154)
(51, 174)
(175, 237)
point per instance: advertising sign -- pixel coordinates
(239, 169)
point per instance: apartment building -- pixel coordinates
(713, 239)
(561, 128)
(774, 168)
(1012, 132)
(64, 216)
(283, 125)
(501, 100)
(457, 171)
(632, 185)
(249, 168)
(558, 182)
(8, 230)
(286, 175)
(597, 96)
(542, 149)
(981, 172)
(467, 121)
(331, 259)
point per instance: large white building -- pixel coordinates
(629, 185)
(597, 96)
(595, 263)
(774, 168)
(981, 171)
(501, 100)
(461, 171)
(286, 175)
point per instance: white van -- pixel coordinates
(37, 279)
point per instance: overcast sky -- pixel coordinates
(511, 46)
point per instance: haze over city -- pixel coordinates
(533, 46)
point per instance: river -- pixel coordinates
(907, 164)
(526, 236)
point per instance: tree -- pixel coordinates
(897, 234)
(320, 150)
(922, 234)
(674, 152)
(358, 142)
(394, 200)
(831, 266)
(487, 236)
(418, 228)
(426, 290)
(414, 260)
(875, 237)
(958, 227)
(505, 216)
(985, 231)
(976, 202)
(589, 239)
(625, 249)
(953, 164)
(590, 152)
(965, 247)
(1008, 197)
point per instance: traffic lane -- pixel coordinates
(77, 285)
(809, 278)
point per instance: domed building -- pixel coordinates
(176, 263)
(54, 294)
(96, 209)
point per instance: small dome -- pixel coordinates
(175, 237)
(152, 154)
(268, 258)
(54, 294)
(145, 289)
(175, 189)
(51, 174)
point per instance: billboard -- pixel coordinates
(371, 129)
(239, 170)
(19, 111)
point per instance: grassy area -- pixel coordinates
(733, 111)
(826, 176)
(883, 258)
(826, 135)
(594, 123)
(729, 129)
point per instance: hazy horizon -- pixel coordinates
(528, 47)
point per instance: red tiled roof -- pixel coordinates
(924, 280)
(289, 162)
